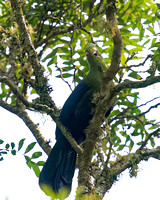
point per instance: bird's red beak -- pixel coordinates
(87, 53)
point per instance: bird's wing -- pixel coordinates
(76, 112)
(74, 103)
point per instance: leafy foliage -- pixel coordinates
(60, 31)
(14, 149)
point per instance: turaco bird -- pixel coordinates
(58, 171)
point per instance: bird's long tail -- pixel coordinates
(58, 171)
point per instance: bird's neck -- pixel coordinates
(94, 79)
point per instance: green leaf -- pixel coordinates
(156, 44)
(12, 145)
(1, 158)
(146, 42)
(152, 142)
(121, 146)
(66, 75)
(131, 145)
(33, 91)
(21, 142)
(36, 169)
(36, 155)
(3, 152)
(135, 133)
(7, 146)
(32, 165)
(141, 35)
(135, 76)
(40, 163)
(151, 30)
(30, 147)
(28, 161)
(13, 152)
(1, 141)
(27, 158)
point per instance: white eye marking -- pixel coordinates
(95, 53)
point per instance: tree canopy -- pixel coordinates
(39, 38)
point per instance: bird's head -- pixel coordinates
(94, 58)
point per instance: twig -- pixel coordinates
(154, 133)
(138, 65)
(89, 33)
(20, 112)
(109, 175)
(45, 109)
(136, 84)
(60, 69)
(144, 104)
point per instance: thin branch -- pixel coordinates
(149, 109)
(20, 112)
(154, 133)
(122, 116)
(39, 107)
(54, 33)
(108, 176)
(137, 84)
(89, 33)
(70, 28)
(138, 65)
(144, 104)
(61, 74)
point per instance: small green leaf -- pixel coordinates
(1, 158)
(135, 76)
(36, 155)
(40, 163)
(21, 142)
(131, 145)
(141, 35)
(28, 161)
(27, 158)
(7, 146)
(36, 169)
(1, 141)
(135, 133)
(3, 152)
(12, 145)
(30, 147)
(33, 91)
(13, 152)
(151, 30)
(64, 75)
(121, 146)
(152, 142)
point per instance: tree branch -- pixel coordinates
(40, 85)
(20, 112)
(109, 175)
(93, 130)
(136, 84)
(54, 33)
(117, 40)
(155, 133)
(39, 107)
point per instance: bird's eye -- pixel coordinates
(96, 54)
